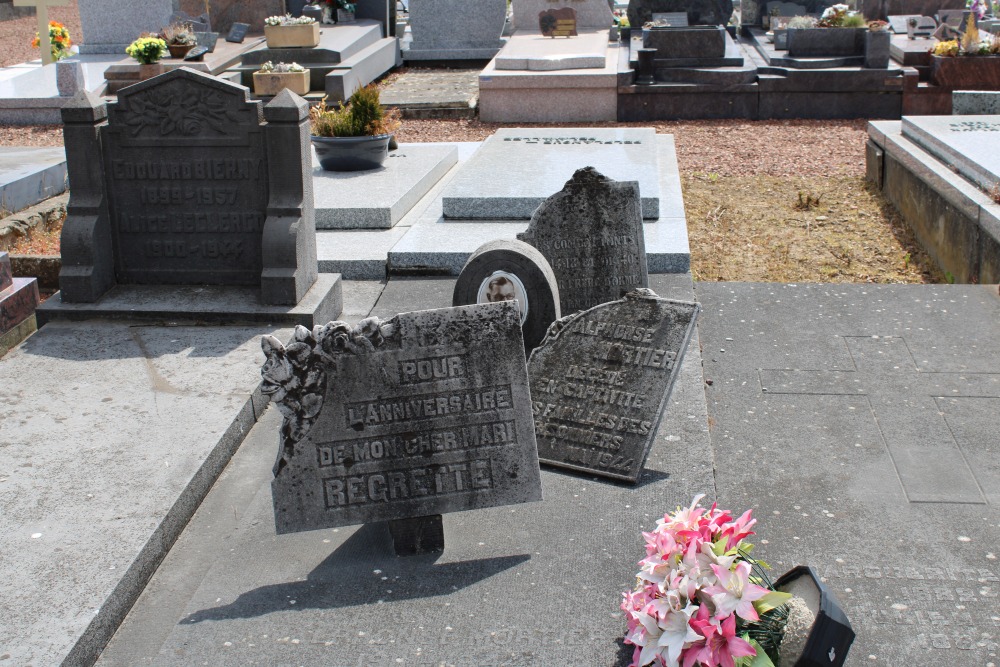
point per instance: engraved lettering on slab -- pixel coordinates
(591, 234)
(426, 413)
(974, 126)
(601, 379)
(187, 183)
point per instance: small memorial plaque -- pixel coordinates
(425, 413)
(238, 33)
(557, 22)
(601, 379)
(591, 234)
(197, 54)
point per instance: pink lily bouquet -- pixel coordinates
(700, 598)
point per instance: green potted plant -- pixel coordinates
(147, 50)
(180, 39)
(283, 32)
(271, 79)
(354, 136)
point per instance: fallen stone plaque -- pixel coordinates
(504, 270)
(591, 234)
(545, 159)
(601, 379)
(238, 33)
(557, 22)
(421, 414)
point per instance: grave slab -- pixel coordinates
(966, 143)
(379, 198)
(547, 158)
(871, 412)
(490, 598)
(136, 423)
(201, 303)
(530, 50)
(30, 175)
(437, 93)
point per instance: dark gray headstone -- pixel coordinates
(383, 11)
(6, 275)
(197, 54)
(186, 184)
(601, 379)
(700, 12)
(504, 270)
(425, 413)
(238, 33)
(591, 234)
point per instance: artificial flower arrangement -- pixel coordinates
(840, 16)
(288, 19)
(59, 40)
(147, 49)
(700, 598)
(971, 43)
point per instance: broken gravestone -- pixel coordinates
(591, 234)
(402, 420)
(601, 379)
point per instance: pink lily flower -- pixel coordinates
(735, 593)
(726, 646)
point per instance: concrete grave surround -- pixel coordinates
(423, 414)
(533, 51)
(111, 25)
(546, 158)
(455, 29)
(30, 175)
(379, 198)
(601, 379)
(591, 233)
(967, 143)
(18, 298)
(195, 189)
(589, 13)
(504, 269)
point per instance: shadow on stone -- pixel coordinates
(345, 579)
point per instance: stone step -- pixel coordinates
(29, 176)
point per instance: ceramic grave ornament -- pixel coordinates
(591, 234)
(601, 379)
(402, 420)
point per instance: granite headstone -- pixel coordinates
(425, 413)
(186, 184)
(591, 234)
(700, 12)
(601, 379)
(589, 13)
(503, 270)
(108, 26)
(225, 13)
(456, 29)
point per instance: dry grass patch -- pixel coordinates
(798, 229)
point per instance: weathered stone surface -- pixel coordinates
(110, 25)
(589, 13)
(503, 270)
(6, 275)
(700, 12)
(601, 379)
(591, 234)
(422, 414)
(457, 28)
(195, 189)
(17, 302)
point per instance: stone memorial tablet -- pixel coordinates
(591, 234)
(545, 159)
(557, 22)
(197, 54)
(601, 379)
(504, 270)
(425, 413)
(238, 33)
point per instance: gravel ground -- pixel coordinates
(16, 35)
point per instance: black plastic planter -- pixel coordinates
(352, 153)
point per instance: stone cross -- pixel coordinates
(934, 462)
(42, 7)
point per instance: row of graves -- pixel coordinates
(191, 246)
(231, 40)
(568, 61)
